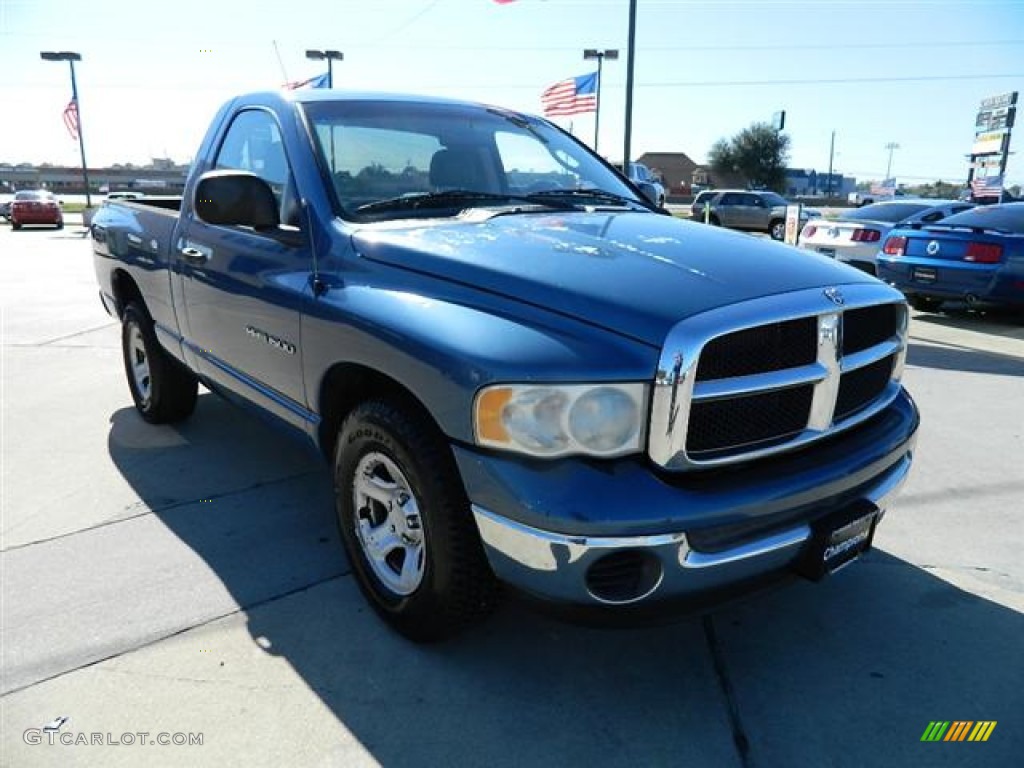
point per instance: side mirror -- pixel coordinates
(235, 198)
(649, 191)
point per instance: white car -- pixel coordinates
(857, 235)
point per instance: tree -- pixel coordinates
(759, 153)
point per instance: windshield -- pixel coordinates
(381, 155)
(889, 212)
(1006, 218)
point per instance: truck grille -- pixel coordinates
(765, 417)
(726, 394)
(763, 348)
(859, 388)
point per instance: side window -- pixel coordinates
(730, 198)
(253, 143)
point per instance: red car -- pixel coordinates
(36, 206)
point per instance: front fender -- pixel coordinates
(443, 349)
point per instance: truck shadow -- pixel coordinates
(826, 674)
(956, 358)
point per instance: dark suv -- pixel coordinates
(744, 209)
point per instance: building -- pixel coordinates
(810, 183)
(675, 168)
(161, 176)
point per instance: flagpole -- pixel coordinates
(81, 140)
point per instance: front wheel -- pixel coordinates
(778, 229)
(406, 524)
(163, 390)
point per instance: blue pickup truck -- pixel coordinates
(522, 372)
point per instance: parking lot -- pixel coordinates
(189, 580)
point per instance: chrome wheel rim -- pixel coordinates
(387, 524)
(779, 231)
(138, 360)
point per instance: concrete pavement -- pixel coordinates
(188, 580)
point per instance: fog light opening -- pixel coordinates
(624, 577)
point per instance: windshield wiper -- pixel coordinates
(591, 192)
(447, 198)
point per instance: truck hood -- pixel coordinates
(633, 273)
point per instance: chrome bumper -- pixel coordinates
(555, 566)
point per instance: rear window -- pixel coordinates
(32, 195)
(1009, 218)
(888, 212)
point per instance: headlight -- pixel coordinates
(555, 420)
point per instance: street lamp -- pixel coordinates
(71, 57)
(330, 56)
(892, 145)
(611, 54)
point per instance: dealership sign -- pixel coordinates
(993, 125)
(988, 143)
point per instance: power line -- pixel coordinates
(823, 81)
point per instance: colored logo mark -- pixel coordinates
(959, 730)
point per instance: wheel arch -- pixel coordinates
(126, 291)
(347, 384)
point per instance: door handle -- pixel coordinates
(194, 256)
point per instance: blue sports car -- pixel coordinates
(976, 256)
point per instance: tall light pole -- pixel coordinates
(831, 156)
(71, 57)
(331, 56)
(892, 145)
(611, 54)
(626, 151)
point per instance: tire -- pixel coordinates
(163, 390)
(777, 229)
(15, 225)
(60, 224)
(925, 303)
(406, 524)
(713, 221)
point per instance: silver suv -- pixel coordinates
(743, 209)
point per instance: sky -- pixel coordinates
(875, 72)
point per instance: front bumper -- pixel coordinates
(721, 533)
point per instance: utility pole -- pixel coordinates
(831, 155)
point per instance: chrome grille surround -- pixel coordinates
(676, 387)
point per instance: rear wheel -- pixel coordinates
(713, 221)
(406, 523)
(777, 229)
(15, 225)
(163, 390)
(925, 303)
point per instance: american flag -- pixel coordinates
(572, 96)
(987, 186)
(71, 118)
(319, 81)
